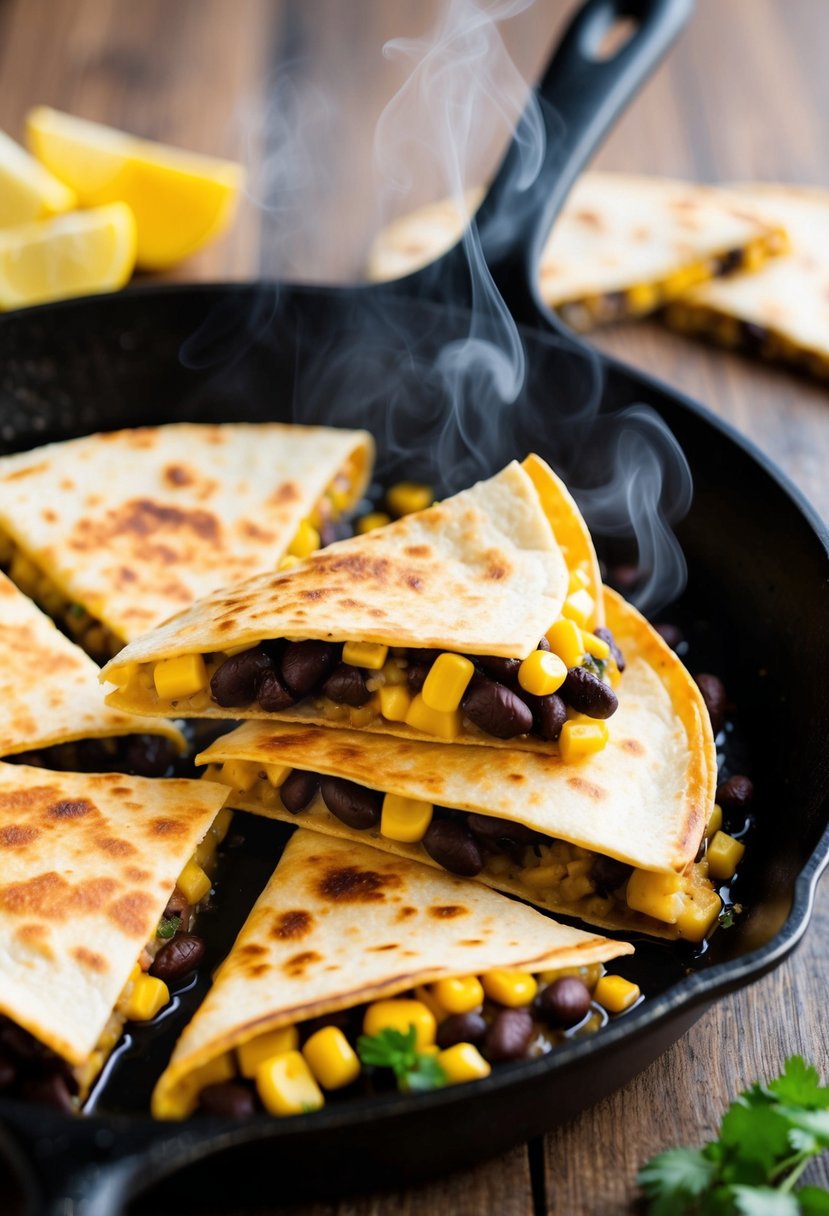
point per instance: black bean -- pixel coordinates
(543, 644)
(727, 263)
(298, 789)
(736, 794)
(608, 873)
(352, 804)
(564, 1002)
(343, 1019)
(149, 755)
(416, 673)
(20, 1044)
(492, 828)
(505, 671)
(8, 1071)
(509, 1035)
(178, 905)
(237, 680)
(671, 634)
(755, 337)
(273, 695)
(604, 633)
(461, 1028)
(450, 843)
(549, 715)
(306, 664)
(51, 1090)
(178, 957)
(230, 1099)
(715, 698)
(496, 709)
(588, 694)
(347, 686)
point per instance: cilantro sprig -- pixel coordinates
(168, 927)
(768, 1136)
(415, 1070)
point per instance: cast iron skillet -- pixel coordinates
(758, 564)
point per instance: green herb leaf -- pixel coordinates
(799, 1085)
(390, 1048)
(675, 1178)
(427, 1074)
(168, 926)
(813, 1200)
(764, 1201)
(758, 1137)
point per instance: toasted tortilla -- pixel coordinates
(782, 311)
(622, 246)
(49, 689)
(644, 800)
(136, 525)
(88, 864)
(480, 573)
(340, 924)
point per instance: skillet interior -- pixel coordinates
(758, 566)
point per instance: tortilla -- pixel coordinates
(134, 525)
(623, 245)
(644, 800)
(49, 690)
(480, 573)
(89, 863)
(782, 311)
(340, 924)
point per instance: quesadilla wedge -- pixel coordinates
(52, 712)
(89, 865)
(342, 929)
(113, 533)
(411, 629)
(781, 313)
(622, 246)
(610, 838)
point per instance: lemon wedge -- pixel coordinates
(180, 200)
(28, 191)
(67, 255)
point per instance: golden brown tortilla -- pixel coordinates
(339, 924)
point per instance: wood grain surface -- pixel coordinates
(295, 89)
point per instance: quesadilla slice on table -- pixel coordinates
(113, 533)
(781, 313)
(622, 246)
(417, 629)
(52, 713)
(89, 865)
(611, 839)
(352, 958)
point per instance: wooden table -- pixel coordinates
(295, 89)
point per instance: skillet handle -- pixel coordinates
(580, 97)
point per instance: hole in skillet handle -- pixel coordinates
(613, 38)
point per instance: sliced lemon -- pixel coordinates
(28, 191)
(180, 200)
(69, 255)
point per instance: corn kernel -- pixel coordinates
(443, 724)
(598, 647)
(405, 819)
(368, 523)
(578, 607)
(579, 580)
(340, 499)
(286, 1085)
(359, 716)
(463, 1062)
(287, 562)
(180, 677)
(220, 1068)
(699, 912)
(541, 673)
(461, 994)
(426, 996)
(365, 654)
(193, 882)
(306, 540)
(566, 641)
(715, 822)
(277, 774)
(580, 739)
(273, 1043)
(394, 672)
(642, 297)
(409, 496)
(616, 994)
(724, 854)
(205, 850)
(147, 998)
(510, 988)
(400, 1014)
(395, 700)
(656, 895)
(238, 774)
(331, 1058)
(447, 681)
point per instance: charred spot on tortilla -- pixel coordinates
(447, 911)
(259, 969)
(88, 958)
(417, 551)
(252, 950)
(406, 912)
(17, 836)
(51, 896)
(132, 912)
(633, 746)
(168, 827)
(298, 963)
(71, 810)
(292, 924)
(350, 884)
(381, 949)
(588, 788)
(114, 846)
(287, 492)
(178, 475)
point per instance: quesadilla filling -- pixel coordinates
(562, 692)
(553, 873)
(731, 331)
(139, 755)
(444, 1033)
(31, 1071)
